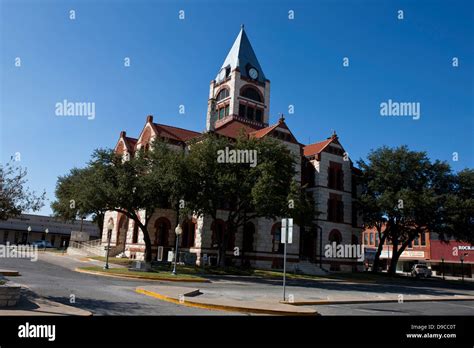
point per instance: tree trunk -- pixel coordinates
(146, 238)
(375, 265)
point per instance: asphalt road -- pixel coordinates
(414, 308)
(53, 277)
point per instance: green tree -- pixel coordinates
(404, 195)
(245, 191)
(75, 197)
(15, 197)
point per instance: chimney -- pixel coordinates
(123, 134)
(149, 119)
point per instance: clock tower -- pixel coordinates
(240, 90)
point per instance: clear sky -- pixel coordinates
(173, 60)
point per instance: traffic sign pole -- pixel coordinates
(284, 270)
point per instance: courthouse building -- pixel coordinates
(239, 101)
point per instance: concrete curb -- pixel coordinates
(331, 302)
(133, 277)
(221, 307)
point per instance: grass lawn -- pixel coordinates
(260, 273)
(114, 260)
(154, 274)
(54, 250)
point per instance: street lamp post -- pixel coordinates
(110, 227)
(442, 263)
(46, 231)
(28, 235)
(462, 266)
(178, 230)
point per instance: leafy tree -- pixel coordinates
(15, 198)
(149, 180)
(459, 208)
(75, 197)
(404, 195)
(246, 192)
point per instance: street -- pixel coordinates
(53, 277)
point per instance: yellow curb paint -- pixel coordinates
(122, 276)
(220, 307)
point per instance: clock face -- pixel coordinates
(253, 73)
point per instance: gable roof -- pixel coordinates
(268, 130)
(175, 133)
(242, 55)
(234, 127)
(313, 149)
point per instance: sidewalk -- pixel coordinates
(194, 297)
(32, 305)
(267, 296)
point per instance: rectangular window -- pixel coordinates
(335, 208)
(250, 111)
(366, 239)
(242, 110)
(423, 238)
(258, 115)
(227, 110)
(335, 176)
(354, 216)
(340, 211)
(372, 239)
(221, 113)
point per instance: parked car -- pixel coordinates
(42, 244)
(420, 270)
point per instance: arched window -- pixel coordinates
(122, 230)
(219, 229)
(248, 237)
(251, 93)
(187, 238)
(224, 93)
(162, 228)
(277, 247)
(335, 236)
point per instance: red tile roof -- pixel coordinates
(131, 142)
(233, 128)
(313, 149)
(264, 131)
(175, 133)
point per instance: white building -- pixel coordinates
(239, 101)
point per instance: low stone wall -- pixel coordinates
(9, 294)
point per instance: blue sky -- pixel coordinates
(173, 61)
